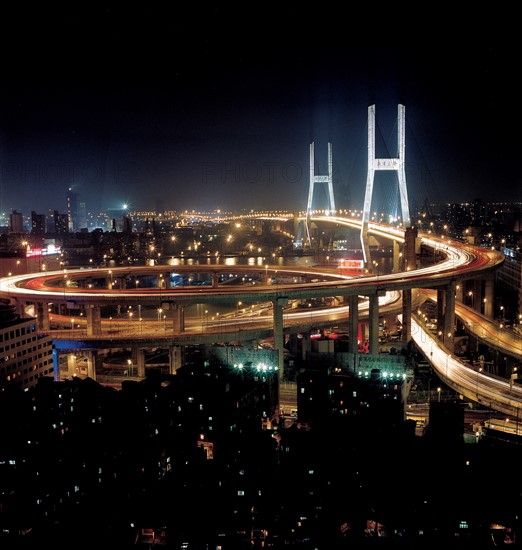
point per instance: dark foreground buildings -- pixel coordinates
(189, 461)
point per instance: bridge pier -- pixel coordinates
(175, 358)
(374, 323)
(406, 317)
(449, 316)
(138, 359)
(278, 305)
(42, 311)
(178, 319)
(92, 357)
(354, 323)
(306, 346)
(489, 297)
(396, 257)
(93, 316)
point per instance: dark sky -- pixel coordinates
(217, 116)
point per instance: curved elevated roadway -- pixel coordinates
(461, 261)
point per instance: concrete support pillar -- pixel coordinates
(19, 306)
(306, 346)
(91, 363)
(449, 316)
(294, 344)
(161, 281)
(374, 323)
(354, 323)
(279, 335)
(42, 311)
(441, 306)
(71, 365)
(477, 294)
(98, 363)
(459, 292)
(215, 279)
(409, 249)
(93, 316)
(489, 297)
(138, 358)
(396, 257)
(406, 317)
(178, 318)
(121, 282)
(175, 358)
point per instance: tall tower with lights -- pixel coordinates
(374, 164)
(319, 179)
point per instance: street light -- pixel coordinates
(129, 371)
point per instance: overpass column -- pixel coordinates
(42, 310)
(175, 358)
(440, 310)
(138, 358)
(410, 248)
(278, 305)
(489, 297)
(161, 281)
(459, 292)
(19, 307)
(406, 317)
(374, 323)
(215, 279)
(93, 316)
(91, 363)
(293, 343)
(477, 295)
(178, 318)
(71, 365)
(306, 346)
(354, 322)
(396, 257)
(449, 316)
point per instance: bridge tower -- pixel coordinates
(319, 179)
(374, 164)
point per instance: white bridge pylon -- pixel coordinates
(319, 179)
(374, 164)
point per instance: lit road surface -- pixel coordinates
(256, 318)
(485, 329)
(459, 259)
(487, 389)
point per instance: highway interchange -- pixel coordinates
(460, 261)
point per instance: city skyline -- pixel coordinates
(232, 131)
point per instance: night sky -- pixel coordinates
(216, 115)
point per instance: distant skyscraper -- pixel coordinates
(82, 215)
(60, 223)
(16, 222)
(72, 210)
(38, 223)
(126, 224)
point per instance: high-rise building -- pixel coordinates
(26, 356)
(38, 223)
(72, 210)
(16, 222)
(60, 223)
